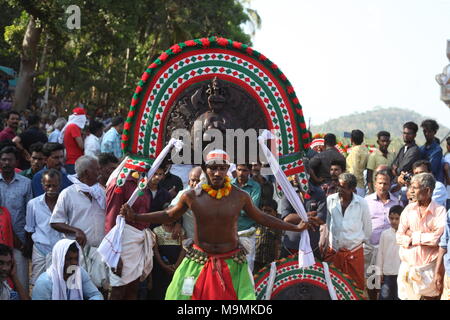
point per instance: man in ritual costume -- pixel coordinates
(215, 266)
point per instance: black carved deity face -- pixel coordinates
(216, 98)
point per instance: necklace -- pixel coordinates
(218, 194)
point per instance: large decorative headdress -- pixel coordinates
(192, 62)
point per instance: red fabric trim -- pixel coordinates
(183, 55)
(133, 167)
(214, 281)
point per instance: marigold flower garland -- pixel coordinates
(222, 192)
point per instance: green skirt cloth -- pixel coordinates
(240, 276)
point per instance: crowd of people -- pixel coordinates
(200, 232)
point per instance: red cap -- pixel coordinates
(79, 111)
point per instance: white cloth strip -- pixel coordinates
(111, 246)
(95, 191)
(305, 254)
(173, 142)
(326, 271)
(271, 281)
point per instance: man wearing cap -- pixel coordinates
(215, 266)
(72, 138)
(111, 139)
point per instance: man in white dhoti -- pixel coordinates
(80, 214)
(135, 242)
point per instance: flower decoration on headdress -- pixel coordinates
(318, 143)
(341, 148)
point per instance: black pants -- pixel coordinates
(389, 289)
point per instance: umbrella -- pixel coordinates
(8, 71)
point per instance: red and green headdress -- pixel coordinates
(194, 61)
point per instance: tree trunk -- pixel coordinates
(27, 65)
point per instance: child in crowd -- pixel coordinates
(168, 255)
(388, 259)
(268, 241)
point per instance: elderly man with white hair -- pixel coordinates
(58, 125)
(80, 214)
(421, 225)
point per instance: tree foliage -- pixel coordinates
(100, 63)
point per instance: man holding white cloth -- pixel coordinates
(80, 214)
(136, 256)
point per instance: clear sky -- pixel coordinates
(344, 56)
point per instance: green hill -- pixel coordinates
(375, 120)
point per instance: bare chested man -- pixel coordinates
(215, 266)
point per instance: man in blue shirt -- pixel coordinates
(442, 282)
(111, 139)
(15, 192)
(431, 150)
(54, 152)
(246, 226)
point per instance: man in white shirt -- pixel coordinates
(349, 225)
(93, 140)
(39, 211)
(188, 218)
(80, 214)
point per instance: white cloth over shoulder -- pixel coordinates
(111, 247)
(96, 191)
(305, 253)
(56, 272)
(78, 119)
(137, 256)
